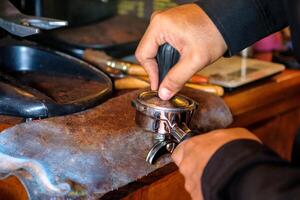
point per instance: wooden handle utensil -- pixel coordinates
(102, 60)
(215, 89)
(132, 82)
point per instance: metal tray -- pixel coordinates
(37, 82)
(118, 36)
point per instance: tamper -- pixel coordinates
(168, 120)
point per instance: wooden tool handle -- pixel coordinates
(130, 83)
(198, 79)
(97, 58)
(142, 82)
(215, 89)
(136, 70)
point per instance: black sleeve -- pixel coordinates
(243, 22)
(247, 170)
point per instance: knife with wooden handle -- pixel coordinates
(103, 61)
(100, 58)
(133, 82)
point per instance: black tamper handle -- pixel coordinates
(167, 57)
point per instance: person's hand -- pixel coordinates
(189, 30)
(192, 156)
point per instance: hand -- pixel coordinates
(192, 156)
(189, 30)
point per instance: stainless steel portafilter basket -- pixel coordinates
(168, 120)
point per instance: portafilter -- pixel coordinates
(168, 120)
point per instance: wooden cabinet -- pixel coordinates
(279, 131)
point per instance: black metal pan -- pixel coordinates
(76, 12)
(36, 82)
(118, 36)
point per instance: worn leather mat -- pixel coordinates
(98, 150)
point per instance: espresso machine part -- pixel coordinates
(76, 12)
(47, 83)
(22, 25)
(168, 120)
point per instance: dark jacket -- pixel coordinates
(245, 169)
(243, 22)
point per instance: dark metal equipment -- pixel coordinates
(36, 82)
(118, 36)
(22, 25)
(76, 12)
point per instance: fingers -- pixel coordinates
(182, 157)
(146, 54)
(180, 150)
(152, 70)
(179, 75)
(192, 155)
(177, 155)
(154, 14)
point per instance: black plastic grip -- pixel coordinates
(167, 57)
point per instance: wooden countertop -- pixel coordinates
(265, 98)
(250, 105)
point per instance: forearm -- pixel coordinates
(249, 171)
(244, 22)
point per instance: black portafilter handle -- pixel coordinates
(167, 56)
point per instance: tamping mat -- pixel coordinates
(95, 151)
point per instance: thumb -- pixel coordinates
(178, 76)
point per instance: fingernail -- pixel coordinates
(164, 94)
